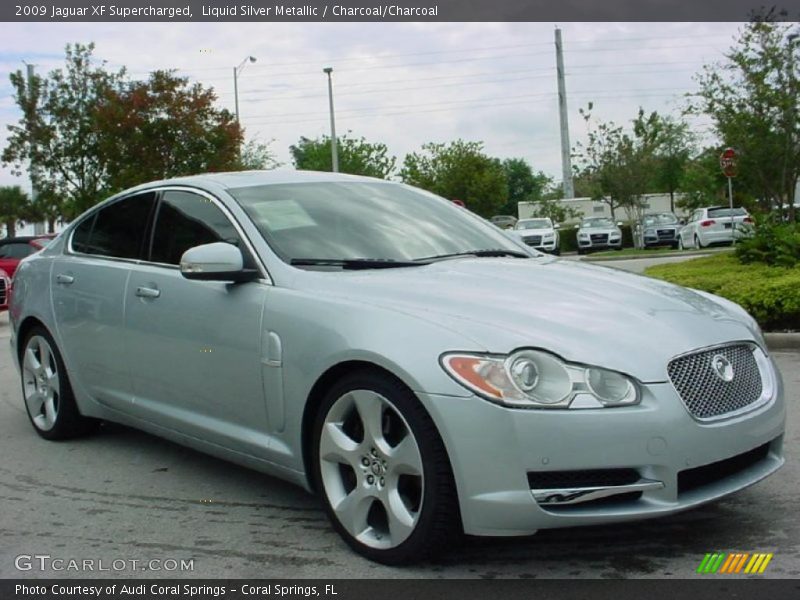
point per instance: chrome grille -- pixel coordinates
(3, 290)
(599, 237)
(705, 393)
(533, 240)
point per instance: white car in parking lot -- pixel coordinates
(540, 233)
(715, 225)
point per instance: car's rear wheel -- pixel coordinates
(49, 400)
(382, 471)
(697, 243)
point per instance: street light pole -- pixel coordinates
(334, 149)
(236, 71)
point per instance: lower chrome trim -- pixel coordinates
(562, 496)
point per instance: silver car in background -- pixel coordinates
(539, 233)
(598, 233)
(715, 225)
(658, 229)
(399, 356)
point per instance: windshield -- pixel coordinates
(534, 224)
(385, 221)
(660, 219)
(604, 223)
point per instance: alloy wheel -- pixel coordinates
(371, 469)
(40, 383)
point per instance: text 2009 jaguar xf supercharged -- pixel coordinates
(399, 356)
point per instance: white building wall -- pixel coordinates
(586, 207)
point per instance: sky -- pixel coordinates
(403, 84)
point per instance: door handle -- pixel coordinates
(64, 279)
(146, 292)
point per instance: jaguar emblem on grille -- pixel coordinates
(722, 367)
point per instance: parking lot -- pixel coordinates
(127, 496)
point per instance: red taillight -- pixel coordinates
(748, 220)
(707, 223)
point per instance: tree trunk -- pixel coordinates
(672, 201)
(11, 228)
(51, 225)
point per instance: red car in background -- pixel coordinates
(5, 286)
(12, 251)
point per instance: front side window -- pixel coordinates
(117, 230)
(347, 221)
(185, 220)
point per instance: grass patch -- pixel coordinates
(770, 294)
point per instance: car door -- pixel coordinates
(195, 345)
(88, 295)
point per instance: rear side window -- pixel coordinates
(16, 250)
(117, 230)
(186, 220)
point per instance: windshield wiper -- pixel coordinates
(355, 263)
(492, 252)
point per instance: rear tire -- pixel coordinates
(382, 471)
(49, 400)
(697, 243)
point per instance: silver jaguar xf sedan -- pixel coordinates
(397, 355)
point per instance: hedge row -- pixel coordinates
(770, 294)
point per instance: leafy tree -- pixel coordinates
(752, 98)
(674, 148)
(57, 138)
(255, 155)
(86, 132)
(616, 165)
(163, 127)
(702, 182)
(523, 184)
(356, 156)
(459, 170)
(15, 207)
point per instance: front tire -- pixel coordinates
(47, 392)
(382, 471)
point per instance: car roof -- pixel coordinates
(240, 179)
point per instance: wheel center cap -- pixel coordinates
(377, 468)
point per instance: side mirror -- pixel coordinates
(577, 226)
(216, 262)
(682, 222)
(619, 223)
(557, 226)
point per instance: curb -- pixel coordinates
(688, 254)
(782, 341)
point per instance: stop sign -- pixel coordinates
(727, 162)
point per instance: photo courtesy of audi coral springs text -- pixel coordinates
(421, 371)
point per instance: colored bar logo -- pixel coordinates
(734, 563)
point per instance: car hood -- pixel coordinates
(584, 313)
(524, 232)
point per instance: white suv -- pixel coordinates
(715, 225)
(539, 233)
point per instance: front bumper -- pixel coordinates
(494, 449)
(588, 244)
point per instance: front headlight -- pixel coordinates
(537, 379)
(649, 231)
(583, 234)
(549, 236)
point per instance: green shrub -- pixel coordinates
(770, 294)
(773, 243)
